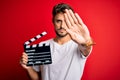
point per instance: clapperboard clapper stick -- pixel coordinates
(38, 54)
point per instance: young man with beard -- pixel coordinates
(69, 49)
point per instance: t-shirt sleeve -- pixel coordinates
(36, 68)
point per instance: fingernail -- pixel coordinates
(66, 10)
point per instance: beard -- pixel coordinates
(61, 34)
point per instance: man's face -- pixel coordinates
(59, 25)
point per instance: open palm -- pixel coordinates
(76, 28)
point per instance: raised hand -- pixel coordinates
(76, 28)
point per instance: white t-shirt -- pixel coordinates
(67, 62)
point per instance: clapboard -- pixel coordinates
(38, 54)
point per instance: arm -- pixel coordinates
(85, 48)
(31, 72)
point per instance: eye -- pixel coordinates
(58, 21)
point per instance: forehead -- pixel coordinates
(59, 16)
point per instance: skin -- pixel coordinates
(68, 26)
(31, 72)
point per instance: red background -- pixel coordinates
(21, 20)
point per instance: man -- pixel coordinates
(69, 49)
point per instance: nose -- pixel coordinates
(63, 24)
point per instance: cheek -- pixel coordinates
(56, 26)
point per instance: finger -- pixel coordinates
(24, 56)
(76, 19)
(82, 25)
(79, 19)
(73, 16)
(70, 32)
(65, 27)
(24, 61)
(67, 21)
(69, 17)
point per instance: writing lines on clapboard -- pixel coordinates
(38, 54)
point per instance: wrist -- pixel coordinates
(29, 69)
(88, 43)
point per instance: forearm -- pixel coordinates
(85, 50)
(86, 47)
(33, 74)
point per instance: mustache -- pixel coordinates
(60, 28)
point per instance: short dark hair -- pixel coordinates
(60, 8)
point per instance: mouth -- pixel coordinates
(61, 30)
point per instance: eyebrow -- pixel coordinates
(58, 19)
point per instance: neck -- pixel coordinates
(62, 40)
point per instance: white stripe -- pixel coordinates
(38, 62)
(40, 45)
(38, 36)
(27, 42)
(39, 59)
(30, 54)
(31, 50)
(44, 33)
(33, 39)
(47, 44)
(47, 61)
(28, 46)
(34, 45)
(30, 62)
